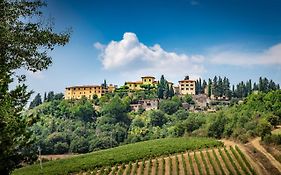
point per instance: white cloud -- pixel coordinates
(130, 56)
(270, 56)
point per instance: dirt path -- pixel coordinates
(255, 164)
(257, 145)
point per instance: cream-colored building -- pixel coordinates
(137, 85)
(77, 92)
(187, 86)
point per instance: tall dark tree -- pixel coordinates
(220, 87)
(209, 87)
(23, 44)
(50, 96)
(36, 101)
(171, 92)
(204, 85)
(215, 91)
(45, 97)
(160, 87)
(166, 90)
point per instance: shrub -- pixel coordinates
(79, 145)
(61, 148)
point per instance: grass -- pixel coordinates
(121, 154)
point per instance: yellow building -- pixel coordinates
(77, 92)
(136, 85)
(187, 86)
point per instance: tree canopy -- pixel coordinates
(23, 45)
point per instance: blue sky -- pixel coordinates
(122, 40)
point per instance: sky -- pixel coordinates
(122, 40)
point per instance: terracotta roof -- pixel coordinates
(133, 82)
(83, 86)
(148, 77)
(187, 81)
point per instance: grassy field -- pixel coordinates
(191, 163)
(122, 154)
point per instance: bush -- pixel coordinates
(102, 143)
(168, 106)
(61, 148)
(79, 145)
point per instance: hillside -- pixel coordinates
(122, 154)
(227, 160)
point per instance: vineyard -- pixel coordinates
(219, 161)
(123, 158)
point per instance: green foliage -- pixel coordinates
(225, 162)
(163, 165)
(217, 124)
(79, 145)
(245, 160)
(205, 163)
(218, 161)
(240, 162)
(191, 163)
(232, 161)
(168, 106)
(157, 118)
(183, 164)
(198, 164)
(170, 165)
(264, 128)
(212, 162)
(124, 154)
(25, 44)
(164, 89)
(36, 101)
(177, 165)
(156, 166)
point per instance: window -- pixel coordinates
(80, 92)
(191, 84)
(191, 88)
(84, 92)
(90, 91)
(144, 80)
(182, 88)
(187, 88)
(135, 85)
(149, 80)
(74, 88)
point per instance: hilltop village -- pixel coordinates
(199, 101)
